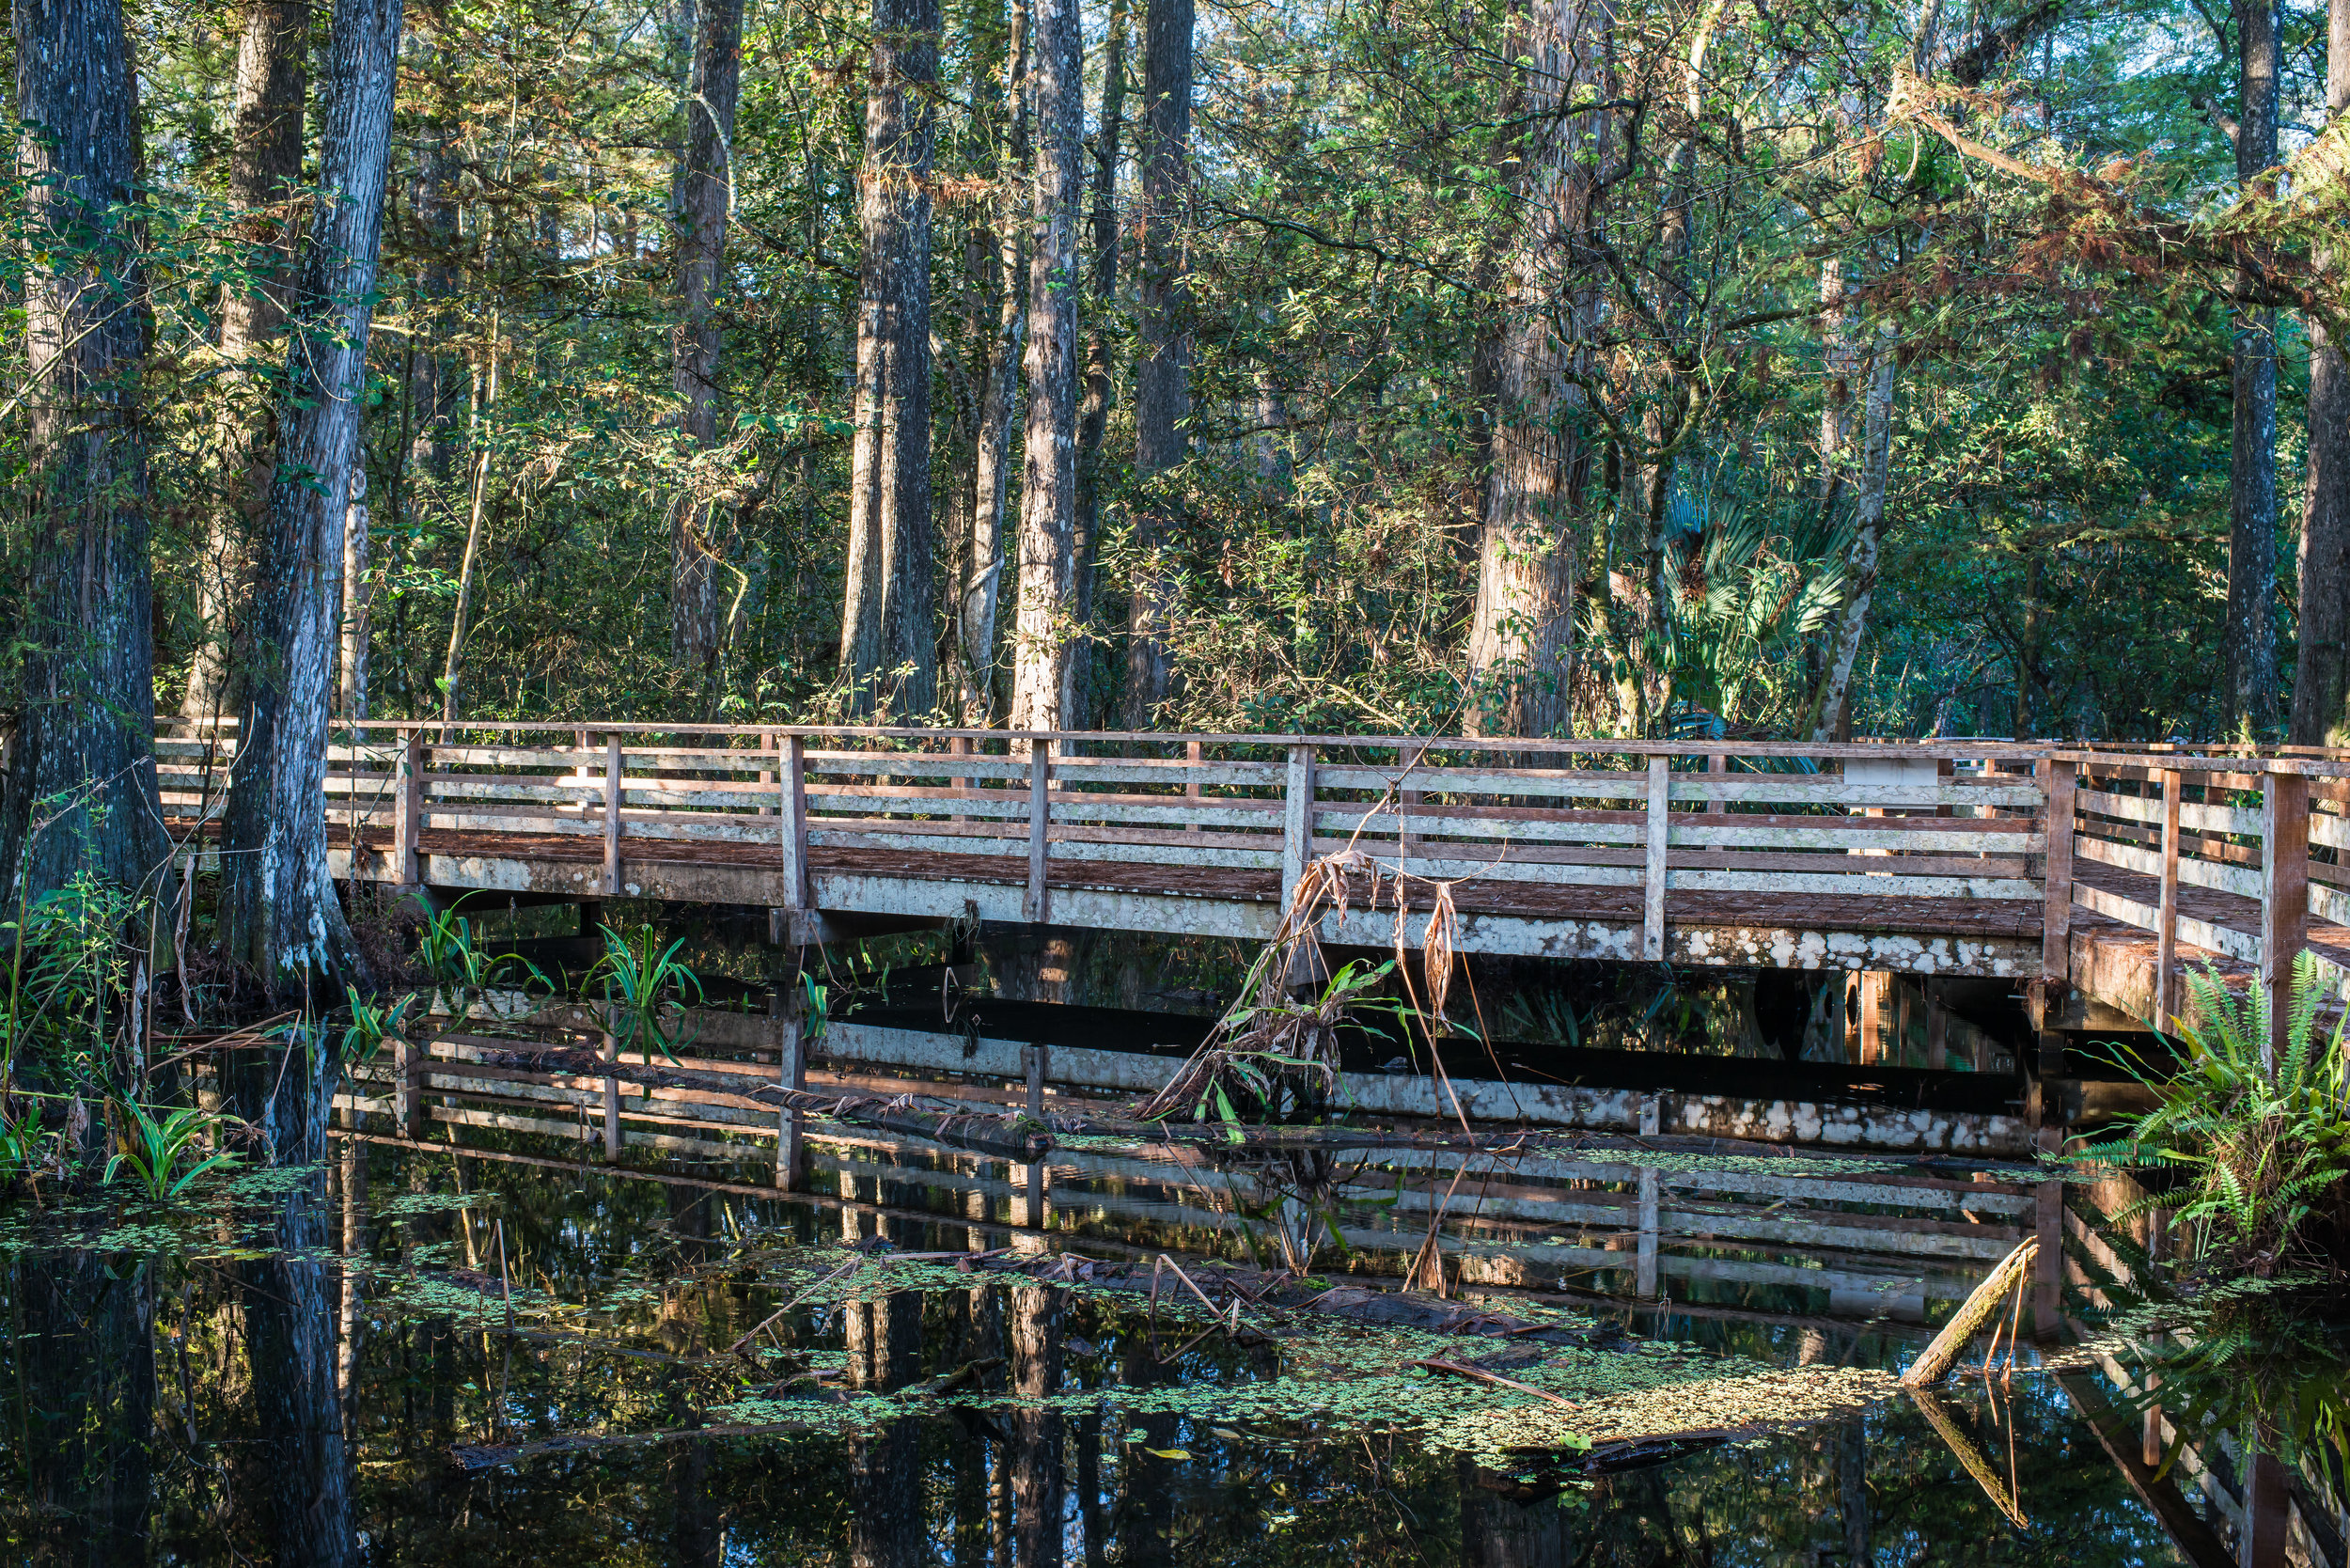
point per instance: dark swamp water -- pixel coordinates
(493, 1345)
(333, 1366)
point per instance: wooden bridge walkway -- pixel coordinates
(1931, 860)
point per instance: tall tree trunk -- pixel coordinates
(357, 589)
(2252, 628)
(705, 201)
(2320, 681)
(278, 912)
(290, 1337)
(1094, 413)
(888, 659)
(1163, 367)
(83, 749)
(1045, 622)
(264, 167)
(1522, 634)
(982, 590)
(1831, 708)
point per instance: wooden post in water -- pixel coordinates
(408, 810)
(612, 816)
(2268, 1507)
(611, 1090)
(1034, 1062)
(1937, 1028)
(2047, 1276)
(1297, 822)
(2284, 894)
(1037, 907)
(791, 1072)
(1657, 839)
(2166, 911)
(792, 841)
(2056, 920)
(1872, 993)
(1644, 1269)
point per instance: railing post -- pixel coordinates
(792, 799)
(2056, 920)
(1718, 766)
(612, 816)
(2167, 915)
(1656, 840)
(1297, 823)
(958, 745)
(791, 1073)
(1037, 908)
(408, 808)
(1407, 758)
(2284, 893)
(611, 1090)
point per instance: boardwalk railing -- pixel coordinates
(1735, 826)
(2242, 857)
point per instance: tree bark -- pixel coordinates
(705, 201)
(1163, 367)
(289, 1326)
(80, 791)
(1094, 413)
(981, 593)
(1522, 636)
(2321, 683)
(1045, 626)
(278, 912)
(1831, 705)
(888, 659)
(357, 589)
(264, 168)
(2252, 628)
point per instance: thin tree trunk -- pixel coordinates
(1093, 413)
(1045, 625)
(1163, 367)
(2251, 628)
(705, 201)
(2321, 683)
(1522, 634)
(264, 167)
(888, 660)
(1831, 712)
(85, 671)
(982, 587)
(278, 912)
(477, 523)
(357, 589)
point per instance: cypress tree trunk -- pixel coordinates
(981, 593)
(888, 657)
(265, 167)
(81, 762)
(2251, 628)
(1522, 636)
(1163, 368)
(2321, 683)
(278, 912)
(1093, 413)
(290, 1333)
(704, 202)
(1042, 697)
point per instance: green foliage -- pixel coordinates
(447, 947)
(642, 982)
(24, 1148)
(372, 1024)
(166, 1155)
(2261, 1136)
(70, 963)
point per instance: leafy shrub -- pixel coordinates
(2262, 1137)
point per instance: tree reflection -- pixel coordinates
(84, 1349)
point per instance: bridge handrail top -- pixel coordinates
(1888, 749)
(2308, 767)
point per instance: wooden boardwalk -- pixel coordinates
(1931, 860)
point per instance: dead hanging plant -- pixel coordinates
(1275, 1051)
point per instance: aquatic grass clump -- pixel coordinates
(642, 981)
(2261, 1136)
(165, 1155)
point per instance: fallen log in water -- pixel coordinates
(1979, 1309)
